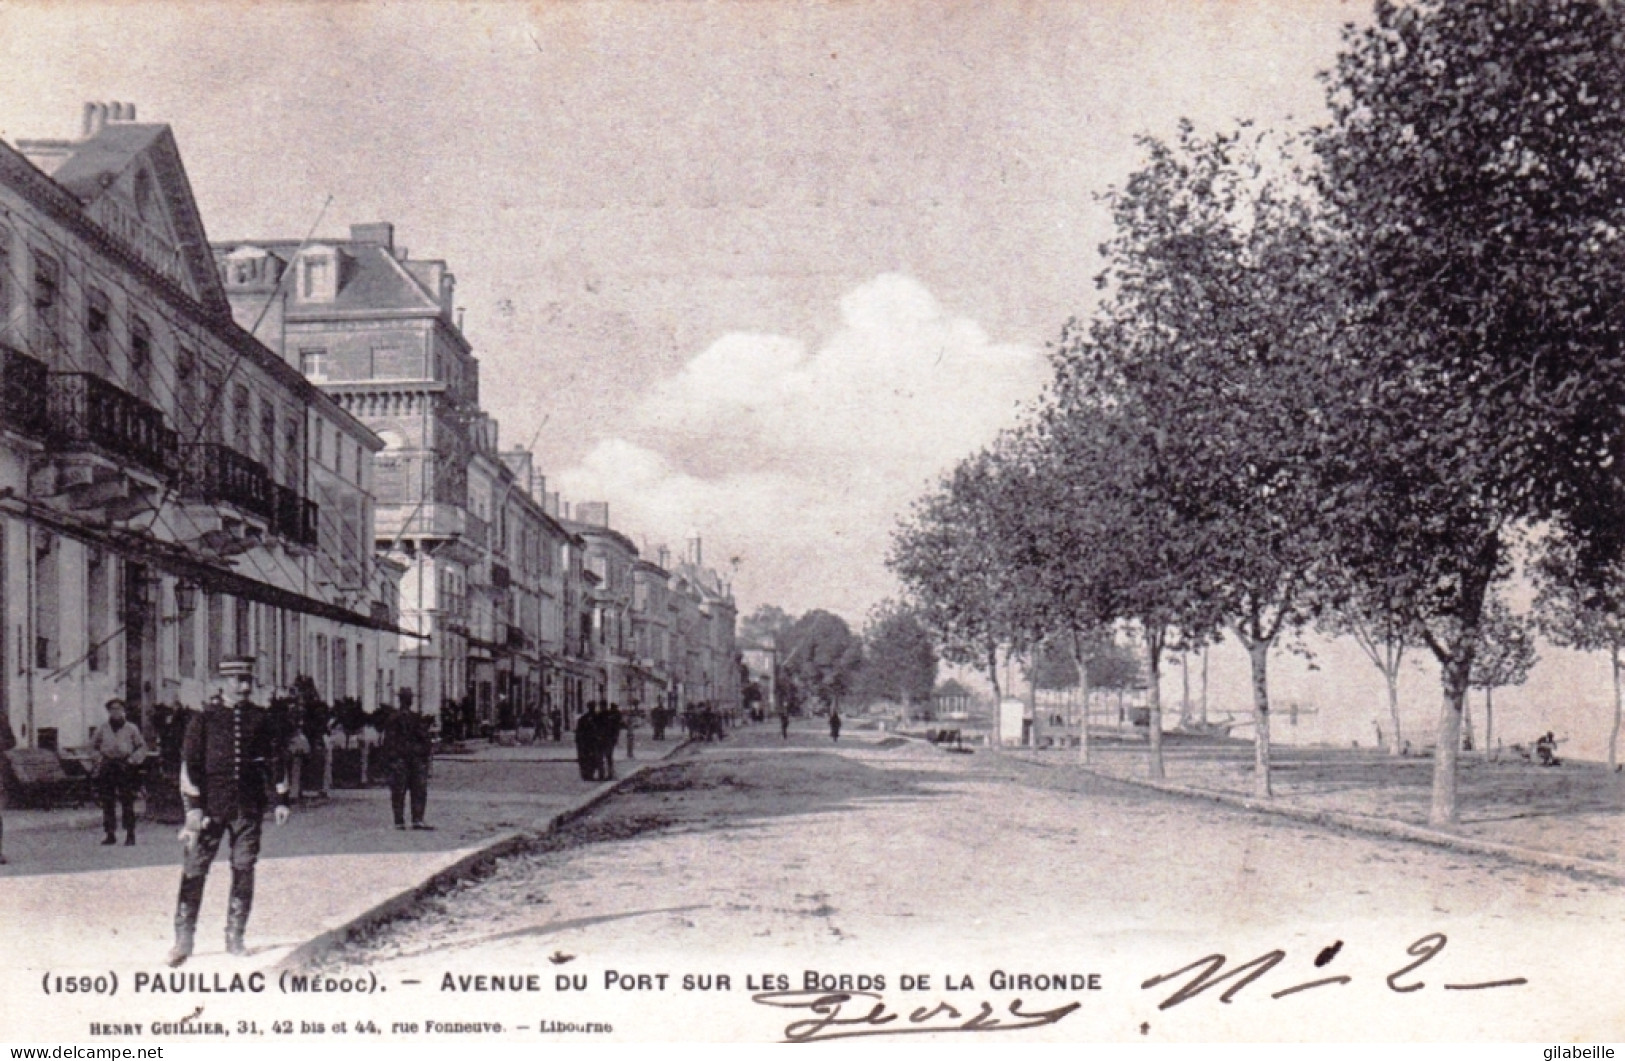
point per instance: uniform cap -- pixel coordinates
(233, 666)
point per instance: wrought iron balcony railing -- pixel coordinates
(86, 409)
(23, 392)
(219, 474)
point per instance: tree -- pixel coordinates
(1591, 618)
(822, 656)
(957, 557)
(1504, 656)
(766, 625)
(1373, 618)
(900, 662)
(1115, 667)
(1475, 167)
(1054, 665)
(1207, 347)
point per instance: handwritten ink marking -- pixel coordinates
(1206, 978)
(1423, 950)
(1516, 981)
(834, 1021)
(1313, 983)
(1327, 954)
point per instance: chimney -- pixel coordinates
(95, 119)
(694, 548)
(381, 233)
(595, 513)
(551, 505)
(665, 558)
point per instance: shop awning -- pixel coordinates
(176, 559)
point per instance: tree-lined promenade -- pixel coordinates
(1353, 377)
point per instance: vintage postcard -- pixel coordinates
(530, 524)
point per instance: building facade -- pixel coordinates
(159, 508)
(373, 328)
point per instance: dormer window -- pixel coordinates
(319, 275)
(316, 277)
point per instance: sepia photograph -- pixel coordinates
(536, 524)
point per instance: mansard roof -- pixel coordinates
(370, 277)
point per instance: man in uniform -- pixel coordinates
(407, 749)
(230, 759)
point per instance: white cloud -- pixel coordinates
(800, 461)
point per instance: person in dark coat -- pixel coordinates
(315, 718)
(834, 724)
(587, 743)
(407, 749)
(230, 761)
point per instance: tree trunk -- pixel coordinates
(1613, 735)
(1032, 695)
(1083, 686)
(1204, 686)
(1392, 674)
(1443, 811)
(998, 695)
(1489, 722)
(1184, 688)
(1258, 651)
(1153, 646)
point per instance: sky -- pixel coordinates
(761, 271)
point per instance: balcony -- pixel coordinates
(219, 474)
(88, 410)
(22, 383)
(428, 520)
(293, 517)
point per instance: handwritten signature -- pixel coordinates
(1401, 981)
(850, 1014)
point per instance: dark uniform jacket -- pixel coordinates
(232, 760)
(406, 738)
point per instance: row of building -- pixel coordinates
(275, 448)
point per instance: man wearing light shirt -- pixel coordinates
(119, 750)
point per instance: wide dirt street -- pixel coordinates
(888, 858)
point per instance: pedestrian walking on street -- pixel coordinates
(230, 761)
(118, 750)
(784, 725)
(834, 724)
(587, 743)
(408, 749)
(631, 733)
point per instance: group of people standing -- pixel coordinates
(598, 730)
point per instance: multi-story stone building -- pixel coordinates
(161, 505)
(373, 328)
(611, 557)
(707, 662)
